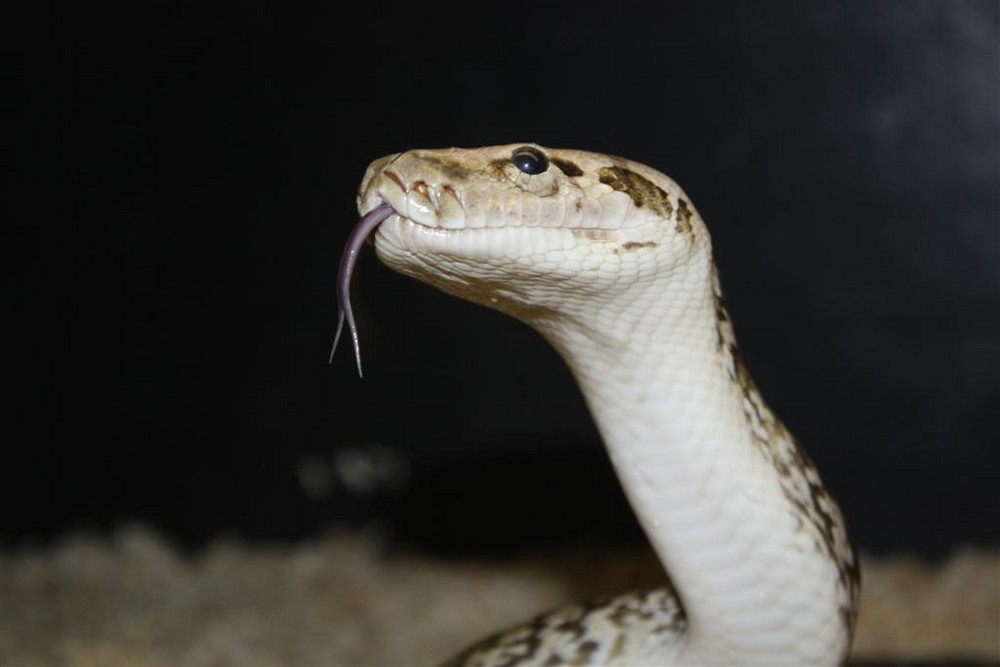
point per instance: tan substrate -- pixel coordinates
(134, 600)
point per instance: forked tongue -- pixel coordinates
(369, 221)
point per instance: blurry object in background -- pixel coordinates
(134, 599)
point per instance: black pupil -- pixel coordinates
(530, 160)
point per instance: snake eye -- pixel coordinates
(530, 160)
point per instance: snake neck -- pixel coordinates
(752, 542)
(610, 261)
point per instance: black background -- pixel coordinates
(171, 295)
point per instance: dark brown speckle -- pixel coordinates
(684, 216)
(642, 191)
(567, 167)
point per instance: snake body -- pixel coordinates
(609, 260)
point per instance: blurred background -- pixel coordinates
(171, 303)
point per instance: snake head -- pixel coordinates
(532, 231)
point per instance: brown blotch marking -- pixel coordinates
(621, 613)
(450, 190)
(739, 373)
(618, 614)
(826, 522)
(455, 170)
(420, 187)
(593, 234)
(519, 645)
(848, 570)
(632, 245)
(799, 505)
(574, 626)
(497, 169)
(684, 216)
(640, 189)
(813, 507)
(578, 205)
(849, 612)
(853, 575)
(721, 318)
(587, 649)
(792, 463)
(721, 313)
(567, 167)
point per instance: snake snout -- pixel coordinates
(422, 197)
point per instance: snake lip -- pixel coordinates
(431, 203)
(415, 203)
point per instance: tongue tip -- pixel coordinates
(354, 336)
(336, 336)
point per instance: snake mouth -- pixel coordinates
(432, 205)
(377, 209)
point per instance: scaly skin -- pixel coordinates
(609, 260)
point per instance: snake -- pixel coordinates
(609, 260)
